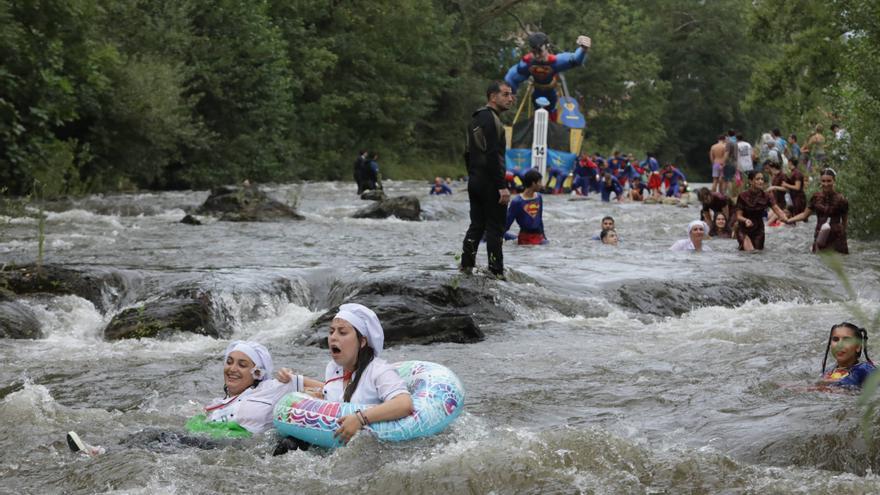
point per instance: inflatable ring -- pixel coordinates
(437, 396)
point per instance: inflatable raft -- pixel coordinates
(437, 396)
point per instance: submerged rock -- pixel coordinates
(167, 316)
(421, 311)
(100, 288)
(660, 298)
(246, 203)
(402, 207)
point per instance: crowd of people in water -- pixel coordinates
(769, 197)
(752, 187)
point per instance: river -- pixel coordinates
(628, 369)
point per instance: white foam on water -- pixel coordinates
(83, 216)
(290, 321)
(69, 320)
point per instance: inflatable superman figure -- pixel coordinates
(542, 66)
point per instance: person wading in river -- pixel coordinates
(487, 189)
(832, 212)
(751, 205)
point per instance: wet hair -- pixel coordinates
(364, 358)
(861, 333)
(605, 233)
(703, 193)
(608, 218)
(495, 88)
(531, 177)
(830, 172)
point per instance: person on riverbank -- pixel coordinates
(527, 209)
(751, 205)
(832, 212)
(720, 227)
(245, 409)
(439, 187)
(848, 343)
(696, 231)
(487, 189)
(358, 375)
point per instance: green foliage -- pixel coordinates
(860, 105)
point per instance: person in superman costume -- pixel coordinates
(543, 66)
(527, 210)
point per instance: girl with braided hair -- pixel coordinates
(848, 342)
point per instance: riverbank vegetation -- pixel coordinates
(100, 95)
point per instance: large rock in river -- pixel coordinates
(17, 321)
(421, 311)
(246, 203)
(402, 207)
(167, 316)
(101, 287)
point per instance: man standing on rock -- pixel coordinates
(487, 189)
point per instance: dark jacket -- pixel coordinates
(486, 146)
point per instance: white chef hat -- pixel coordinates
(696, 223)
(257, 353)
(365, 321)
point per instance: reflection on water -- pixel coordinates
(623, 370)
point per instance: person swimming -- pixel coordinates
(848, 343)
(696, 230)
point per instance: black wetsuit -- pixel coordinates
(484, 156)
